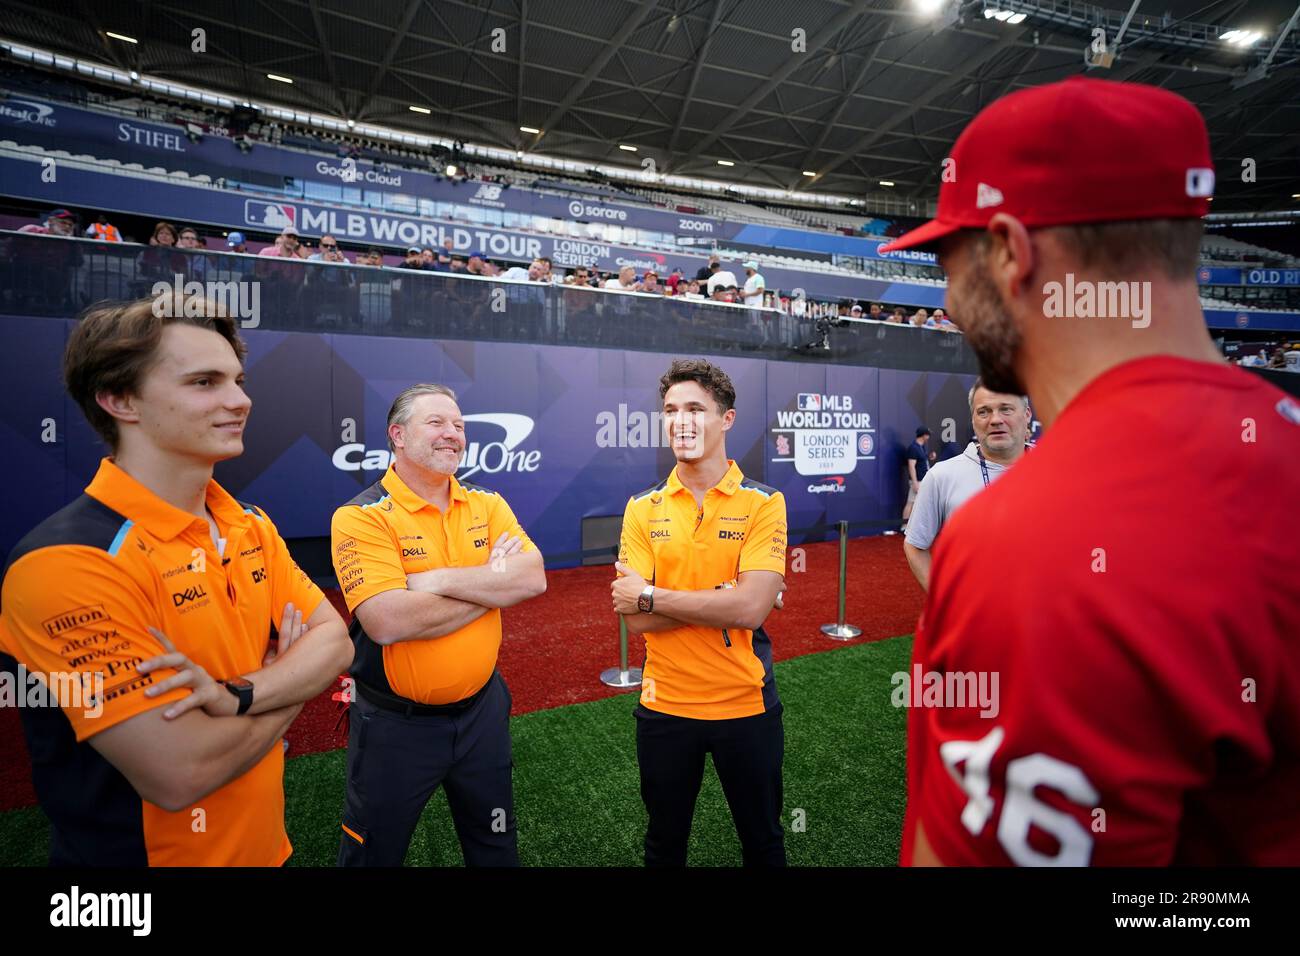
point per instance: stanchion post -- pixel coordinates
(622, 675)
(839, 631)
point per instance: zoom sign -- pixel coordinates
(493, 441)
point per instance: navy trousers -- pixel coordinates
(395, 763)
(747, 754)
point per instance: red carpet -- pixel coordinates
(555, 647)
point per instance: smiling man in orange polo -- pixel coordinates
(426, 563)
(701, 565)
(182, 603)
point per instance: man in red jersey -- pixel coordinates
(1139, 623)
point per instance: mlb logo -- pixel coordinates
(1204, 275)
(809, 402)
(865, 444)
(272, 215)
(1200, 182)
(1243, 320)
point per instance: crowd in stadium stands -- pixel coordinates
(712, 282)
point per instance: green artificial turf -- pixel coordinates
(577, 799)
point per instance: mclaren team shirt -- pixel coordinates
(80, 592)
(388, 532)
(1123, 626)
(696, 671)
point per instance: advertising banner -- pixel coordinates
(563, 433)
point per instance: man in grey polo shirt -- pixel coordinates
(1001, 424)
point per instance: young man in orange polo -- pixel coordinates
(426, 563)
(701, 564)
(163, 591)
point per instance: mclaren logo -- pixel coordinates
(492, 446)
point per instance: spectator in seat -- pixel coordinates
(235, 242)
(897, 317)
(196, 267)
(480, 266)
(329, 251)
(650, 283)
(189, 239)
(673, 281)
(429, 259)
(720, 278)
(625, 282)
(707, 269)
(693, 291)
(48, 280)
(287, 245)
(873, 312)
(856, 311)
(920, 317)
(519, 273)
(580, 277)
(458, 264)
(414, 259)
(164, 234)
(57, 222)
(331, 290)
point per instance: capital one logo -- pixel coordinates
(38, 114)
(492, 446)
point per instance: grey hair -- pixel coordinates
(979, 383)
(400, 413)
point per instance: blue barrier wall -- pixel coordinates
(563, 432)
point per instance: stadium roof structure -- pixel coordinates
(753, 92)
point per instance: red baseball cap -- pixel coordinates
(1081, 150)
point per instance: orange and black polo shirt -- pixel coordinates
(80, 592)
(696, 671)
(388, 532)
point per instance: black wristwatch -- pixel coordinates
(243, 689)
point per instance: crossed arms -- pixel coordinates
(746, 606)
(438, 602)
(176, 754)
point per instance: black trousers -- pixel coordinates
(747, 754)
(395, 763)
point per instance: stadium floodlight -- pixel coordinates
(120, 36)
(929, 7)
(420, 109)
(530, 129)
(451, 169)
(352, 124)
(1241, 38)
(627, 149)
(886, 182)
(279, 79)
(725, 162)
(809, 172)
